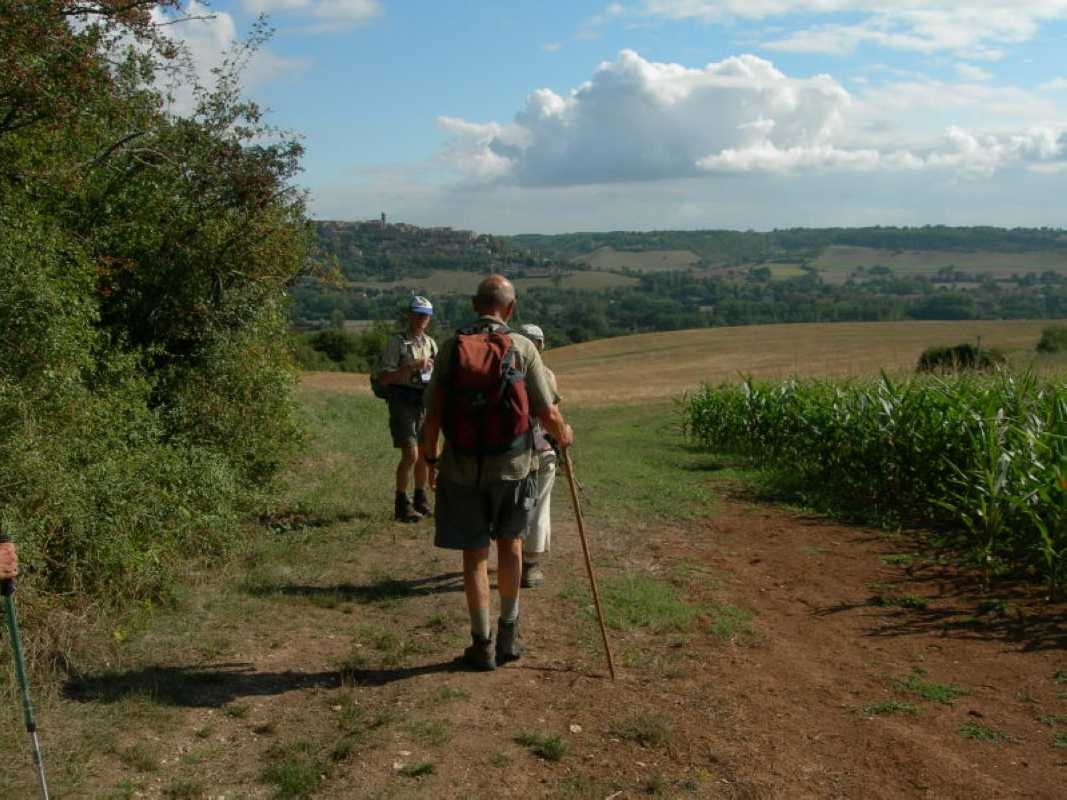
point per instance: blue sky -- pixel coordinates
(523, 116)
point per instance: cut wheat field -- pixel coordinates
(659, 366)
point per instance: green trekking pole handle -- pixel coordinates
(7, 591)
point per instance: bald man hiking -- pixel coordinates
(488, 388)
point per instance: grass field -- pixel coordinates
(838, 261)
(661, 366)
(459, 282)
(608, 258)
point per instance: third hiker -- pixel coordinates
(539, 538)
(406, 367)
(489, 385)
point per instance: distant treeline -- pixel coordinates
(678, 300)
(723, 246)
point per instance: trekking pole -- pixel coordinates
(7, 591)
(585, 551)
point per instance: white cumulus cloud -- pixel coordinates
(974, 29)
(970, 72)
(637, 120)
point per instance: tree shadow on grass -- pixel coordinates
(218, 685)
(382, 590)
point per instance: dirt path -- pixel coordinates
(330, 674)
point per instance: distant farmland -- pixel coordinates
(838, 261)
(608, 258)
(657, 366)
(456, 282)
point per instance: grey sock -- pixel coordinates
(480, 623)
(509, 609)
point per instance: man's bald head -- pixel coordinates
(495, 295)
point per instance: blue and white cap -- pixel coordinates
(420, 305)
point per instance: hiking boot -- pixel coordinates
(480, 654)
(403, 511)
(532, 575)
(508, 647)
(422, 504)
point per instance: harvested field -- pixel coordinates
(664, 365)
(838, 261)
(606, 258)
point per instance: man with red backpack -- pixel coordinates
(489, 386)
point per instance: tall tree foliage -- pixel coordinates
(145, 389)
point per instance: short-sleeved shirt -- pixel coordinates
(403, 348)
(461, 468)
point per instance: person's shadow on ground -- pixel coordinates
(217, 685)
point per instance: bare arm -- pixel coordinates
(555, 426)
(431, 434)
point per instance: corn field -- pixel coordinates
(985, 457)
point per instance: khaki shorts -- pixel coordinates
(405, 422)
(468, 517)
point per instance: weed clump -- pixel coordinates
(550, 748)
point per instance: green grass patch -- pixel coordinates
(890, 707)
(1059, 739)
(236, 710)
(634, 462)
(430, 731)
(643, 728)
(638, 601)
(140, 757)
(499, 760)
(943, 693)
(981, 733)
(550, 748)
(731, 623)
(417, 770)
(294, 770)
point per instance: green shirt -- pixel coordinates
(461, 468)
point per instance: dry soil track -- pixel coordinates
(784, 704)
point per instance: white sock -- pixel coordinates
(509, 609)
(480, 623)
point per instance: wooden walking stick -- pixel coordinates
(585, 551)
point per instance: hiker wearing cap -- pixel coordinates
(489, 386)
(406, 366)
(539, 538)
(9, 561)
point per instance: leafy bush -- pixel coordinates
(145, 382)
(1053, 339)
(961, 357)
(335, 349)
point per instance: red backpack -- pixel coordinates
(487, 409)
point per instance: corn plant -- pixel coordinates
(984, 455)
